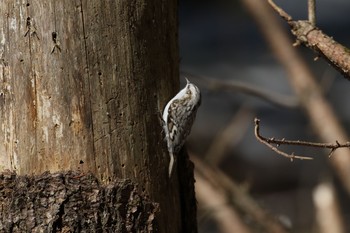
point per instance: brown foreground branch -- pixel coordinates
(328, 213)
(312, 100)
(269, 141)
(309, 35)
(221, 193)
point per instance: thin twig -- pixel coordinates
(266, 141)
(303, 81)
(311, 11)
(333, 146)
(280, 11)
(278, 142)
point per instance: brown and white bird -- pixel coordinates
(178, 117)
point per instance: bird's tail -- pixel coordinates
(171, 163)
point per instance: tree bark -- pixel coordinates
(81, 86)
(69, 202)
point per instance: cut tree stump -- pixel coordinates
(72, 202)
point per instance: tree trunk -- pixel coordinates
(68, 202)
(82, 84)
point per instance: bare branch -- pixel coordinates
(234, 86)
(304, 83)
(311, 11)
(269, 141)
(280, 11)
(309, 35)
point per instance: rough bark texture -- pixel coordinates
(81, 86)
(336, 54)
(187, 195)
(72, 202)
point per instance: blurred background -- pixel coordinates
(221, 41)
